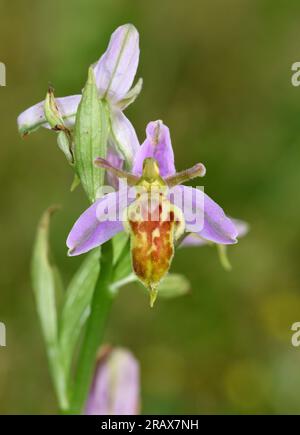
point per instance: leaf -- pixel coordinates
(119, 242)
(76, 305)
(46, 283)
(43, 278)
(91, 134)
(124, 266)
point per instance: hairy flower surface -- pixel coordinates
(154, 208)
(114, 75)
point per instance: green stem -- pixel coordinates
(100, 306)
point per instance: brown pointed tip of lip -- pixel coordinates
(153, 296)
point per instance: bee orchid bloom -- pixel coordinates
(114, 74)
(154, 208)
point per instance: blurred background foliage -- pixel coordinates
(218, 74)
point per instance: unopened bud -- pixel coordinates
(116, 385)
(56, 122)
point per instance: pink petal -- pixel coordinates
(116, 69)
(157, 145)
(94, 227)
(124, 137)
(204, 216)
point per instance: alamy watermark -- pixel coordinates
(2, 74)
(295, 79)
(154, 204)
(2, 335)
(296, 336)
(2, 325)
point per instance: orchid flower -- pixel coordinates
(177, 209)
(114, 75)
(115, 388)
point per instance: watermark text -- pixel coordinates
(2, 335)
(2, 74)
(296, 336)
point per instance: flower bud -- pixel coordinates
(51, 111)
(56, 122)
(116, 385)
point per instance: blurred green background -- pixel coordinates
(219, 75)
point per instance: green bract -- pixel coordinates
(90, 136)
